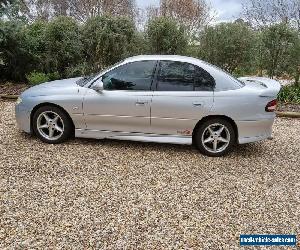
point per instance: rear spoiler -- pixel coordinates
(270, 87)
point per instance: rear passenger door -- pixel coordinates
(183, 94)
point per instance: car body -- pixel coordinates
(155, 99)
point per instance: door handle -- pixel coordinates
(141, 103)
(197, 104)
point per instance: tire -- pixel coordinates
(215, 137)
(50, 118)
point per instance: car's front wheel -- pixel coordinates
(52, 125)
(215, 137)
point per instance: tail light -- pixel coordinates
(271, 106)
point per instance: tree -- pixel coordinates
(166, 36)
(63, 45)
(107, 40)
(293, 67)
(84, 9)
(81, 10)
(228, 45)
(263, 13)
(192, 14)
(35, 45)
(14, 58)
(12, 10)
(277, 40)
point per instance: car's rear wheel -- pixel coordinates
(215, 137)
(52, 125)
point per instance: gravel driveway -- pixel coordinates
(115, 195)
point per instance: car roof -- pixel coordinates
(164, 57)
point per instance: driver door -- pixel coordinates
(124, 104)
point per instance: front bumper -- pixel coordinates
(22, 117)
(252, 131)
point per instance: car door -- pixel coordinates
(124, 103)
(184, 95)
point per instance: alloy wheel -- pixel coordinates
(50, 125)
(215, 138)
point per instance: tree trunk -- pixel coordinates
(297, 77)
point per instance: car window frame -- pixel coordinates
(127, 63)
(158, 68)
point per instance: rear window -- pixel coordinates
(224, 80)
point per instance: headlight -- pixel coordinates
(19, 100)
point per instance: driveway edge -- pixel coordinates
(9, 97)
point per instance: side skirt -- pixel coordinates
(96, 134)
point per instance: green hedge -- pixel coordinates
(290, 93)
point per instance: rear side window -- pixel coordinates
(131, 76)
(181, 76)
(203, 80)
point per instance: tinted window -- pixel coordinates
(203, 80)
(223, 80)
(175, 76)
(181, 76)
(131, 76)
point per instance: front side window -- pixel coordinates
(181, 76)
(131, 76)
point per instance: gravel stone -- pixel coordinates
(108, 194)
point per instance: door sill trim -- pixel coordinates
(133, 136)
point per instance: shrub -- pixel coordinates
(78, 70)
(35, 44)
(228, 45)
(166, 36)
(290, 93)
(63, 45)
(281, 47)
(35, 78)
(107, 40)
(14, 58)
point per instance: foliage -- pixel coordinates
(290, 93)
(107, 40)
(35, 78)
(263, 13)
(45, 50)
(228, 45)
(194, 15)
(80, 69)
(35, 45)
(140, 45)
(277, 40)
(292, 66)
(63, 45)
(166, 36)
(12, 10)
(14, 59)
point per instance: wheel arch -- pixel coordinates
(48, 104)
(206, 118)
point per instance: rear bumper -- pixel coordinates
(252, 131)
(22, 117)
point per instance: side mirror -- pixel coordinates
(98, 85)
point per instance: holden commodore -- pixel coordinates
(167, 99)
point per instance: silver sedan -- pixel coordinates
(167, 99)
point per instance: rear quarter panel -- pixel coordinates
(247, 109)
(242, 104)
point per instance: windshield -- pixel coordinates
(84, 80)
(91, 78)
